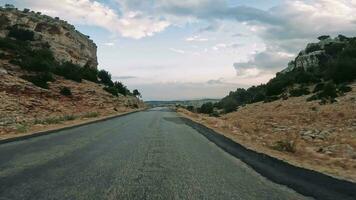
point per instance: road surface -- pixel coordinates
(145, 155)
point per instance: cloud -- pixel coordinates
(89, 12)
(109, 44)
(293, 19)
(179, 51)
(271, 60)
(124, 77)
(215, 82)
(196, 38)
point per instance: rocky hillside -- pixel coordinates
(49, 76)
(306, 115)
(66, 43)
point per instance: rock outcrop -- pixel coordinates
(317, 53)
(66, 43)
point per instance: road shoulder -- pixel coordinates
(304, 181)
(60, 127)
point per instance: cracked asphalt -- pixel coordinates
(145, 155)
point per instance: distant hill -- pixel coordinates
(195, 103)
(323, 69)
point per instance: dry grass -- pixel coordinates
(25, 107)
(275, 128)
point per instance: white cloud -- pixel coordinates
(110, 44)
(179, 51)
(88, 12)
(269, 60)
(196, 38)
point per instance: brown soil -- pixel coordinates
(25, 108)
(318, 137)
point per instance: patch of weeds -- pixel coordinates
(91, 115)
(285, 146)
(66, 91)
(55, 120)
(21, 128)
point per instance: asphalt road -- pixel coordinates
(145, 155)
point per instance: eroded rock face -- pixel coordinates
(314, 54)
(66, 43)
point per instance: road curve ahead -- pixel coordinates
(145, 155)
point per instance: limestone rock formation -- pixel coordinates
(316, 53)
(66, 43)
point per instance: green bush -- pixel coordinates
(16, 46)
(207, 108)
(91, 115)
(90, 74)
(285, 146)
(66, 91)
(318, 87)
(112, 90)
(329, 91)
(190, 108)
(121, 88)
(136, 93)
(302, 90)
(214, 114)
(40, 80)
(21, 34)
(39, 60)
(343, 88)
(341, 70)
(229, 105)
(69, 71)
(271, 99)
(105, 78)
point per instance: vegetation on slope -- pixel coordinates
(40, 60)
(331, 77)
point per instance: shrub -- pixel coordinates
(21, 34)
(91, 115)
(318, 87)
(215, 114)
(271, 99)
(302, 90)
(312, 48)
(69, 71)
(343, 88)
(329, 91)
(136, 93)
(341, 70)
(121, 88)
(324, 37)
(207, 108)
(285, 146)
(229, 105)
(90, 74)
(22, 128)
(4, 21)
(105, 78)
(66, 91)
(17, 46)
(112, 90)
(40, 80)
(39, 60)
(190, 108)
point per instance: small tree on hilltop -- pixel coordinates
(105, 78)
(136, 93)
(323, 37)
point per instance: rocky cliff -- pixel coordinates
(49, 76)
(66, 43)
(315, 54)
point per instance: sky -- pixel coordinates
(192, 49)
